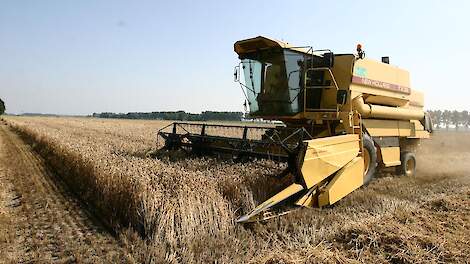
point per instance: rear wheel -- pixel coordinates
(408, 164)
(370, 158)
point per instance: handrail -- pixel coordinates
(319, 87)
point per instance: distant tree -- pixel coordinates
(177, 115)
(465, 119)
(2, 107)
(459, 119)
(446, 118)
(455, 119)
(436, 116)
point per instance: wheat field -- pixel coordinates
(183, 210)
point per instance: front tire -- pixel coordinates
(370, 158)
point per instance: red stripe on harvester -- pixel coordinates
(381, 85)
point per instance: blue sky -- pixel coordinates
(79, 57)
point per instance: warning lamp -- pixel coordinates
(360, 53)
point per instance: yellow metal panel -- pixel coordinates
(417, 130)
(413, 129)
(404, 128)
(348, 179)
(385, 100)
(390, 156)
(324, 156)
(417, 99)
(282, 195)
(381, 128)
(360, 89)
(421, 134)
(376, 70)
(387, 112)
(279, 197)
(343, 69)
(417, 124)
(328, 99)
(309, 199)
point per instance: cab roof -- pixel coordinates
(260, 42)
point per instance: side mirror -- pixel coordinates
(236, 74)
(341, 97)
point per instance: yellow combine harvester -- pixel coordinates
(344, 116)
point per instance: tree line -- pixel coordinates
(448, 118)
(175, 115)
(440, 118)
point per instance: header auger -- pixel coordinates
(343, 116)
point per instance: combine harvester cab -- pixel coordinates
(344, 116)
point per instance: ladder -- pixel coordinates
(357, 129)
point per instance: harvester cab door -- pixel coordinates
(320, 90)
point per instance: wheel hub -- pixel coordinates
(410, 167)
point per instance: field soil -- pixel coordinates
(182, 210)
(40, 222)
